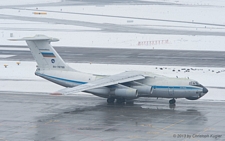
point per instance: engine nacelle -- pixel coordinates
(143, 90)
(126, 93)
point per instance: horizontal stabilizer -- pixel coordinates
(36, 38)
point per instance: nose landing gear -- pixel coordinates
(172, 101)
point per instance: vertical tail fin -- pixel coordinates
(44, 54)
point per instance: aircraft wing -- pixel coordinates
(105, 81)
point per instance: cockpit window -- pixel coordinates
(194, 83)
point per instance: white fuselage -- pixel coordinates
(159, 86)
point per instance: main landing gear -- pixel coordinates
(120, 100)
(172, 101)
(110, 100)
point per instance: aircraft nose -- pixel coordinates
(205, 90)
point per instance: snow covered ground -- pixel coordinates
(21, 77)
(184, 25)
(22, 2)
(166, 24)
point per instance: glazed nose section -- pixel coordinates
(205, 90)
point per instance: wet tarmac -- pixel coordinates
(127, 56)
(40, 117)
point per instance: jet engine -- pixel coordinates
(143, 90)
(128, 93)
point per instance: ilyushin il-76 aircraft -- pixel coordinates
(122, 87)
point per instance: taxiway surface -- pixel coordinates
(126, 56)
(39, 116)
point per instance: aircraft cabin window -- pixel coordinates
(194, 83)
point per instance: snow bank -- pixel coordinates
(156, 17)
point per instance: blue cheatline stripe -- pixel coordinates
(80, 82)
(67, 80)
(174, 87)
(47, 54)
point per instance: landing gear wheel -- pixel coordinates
(120, 100)
(130, 102)
(110, 100)
(172, 101)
